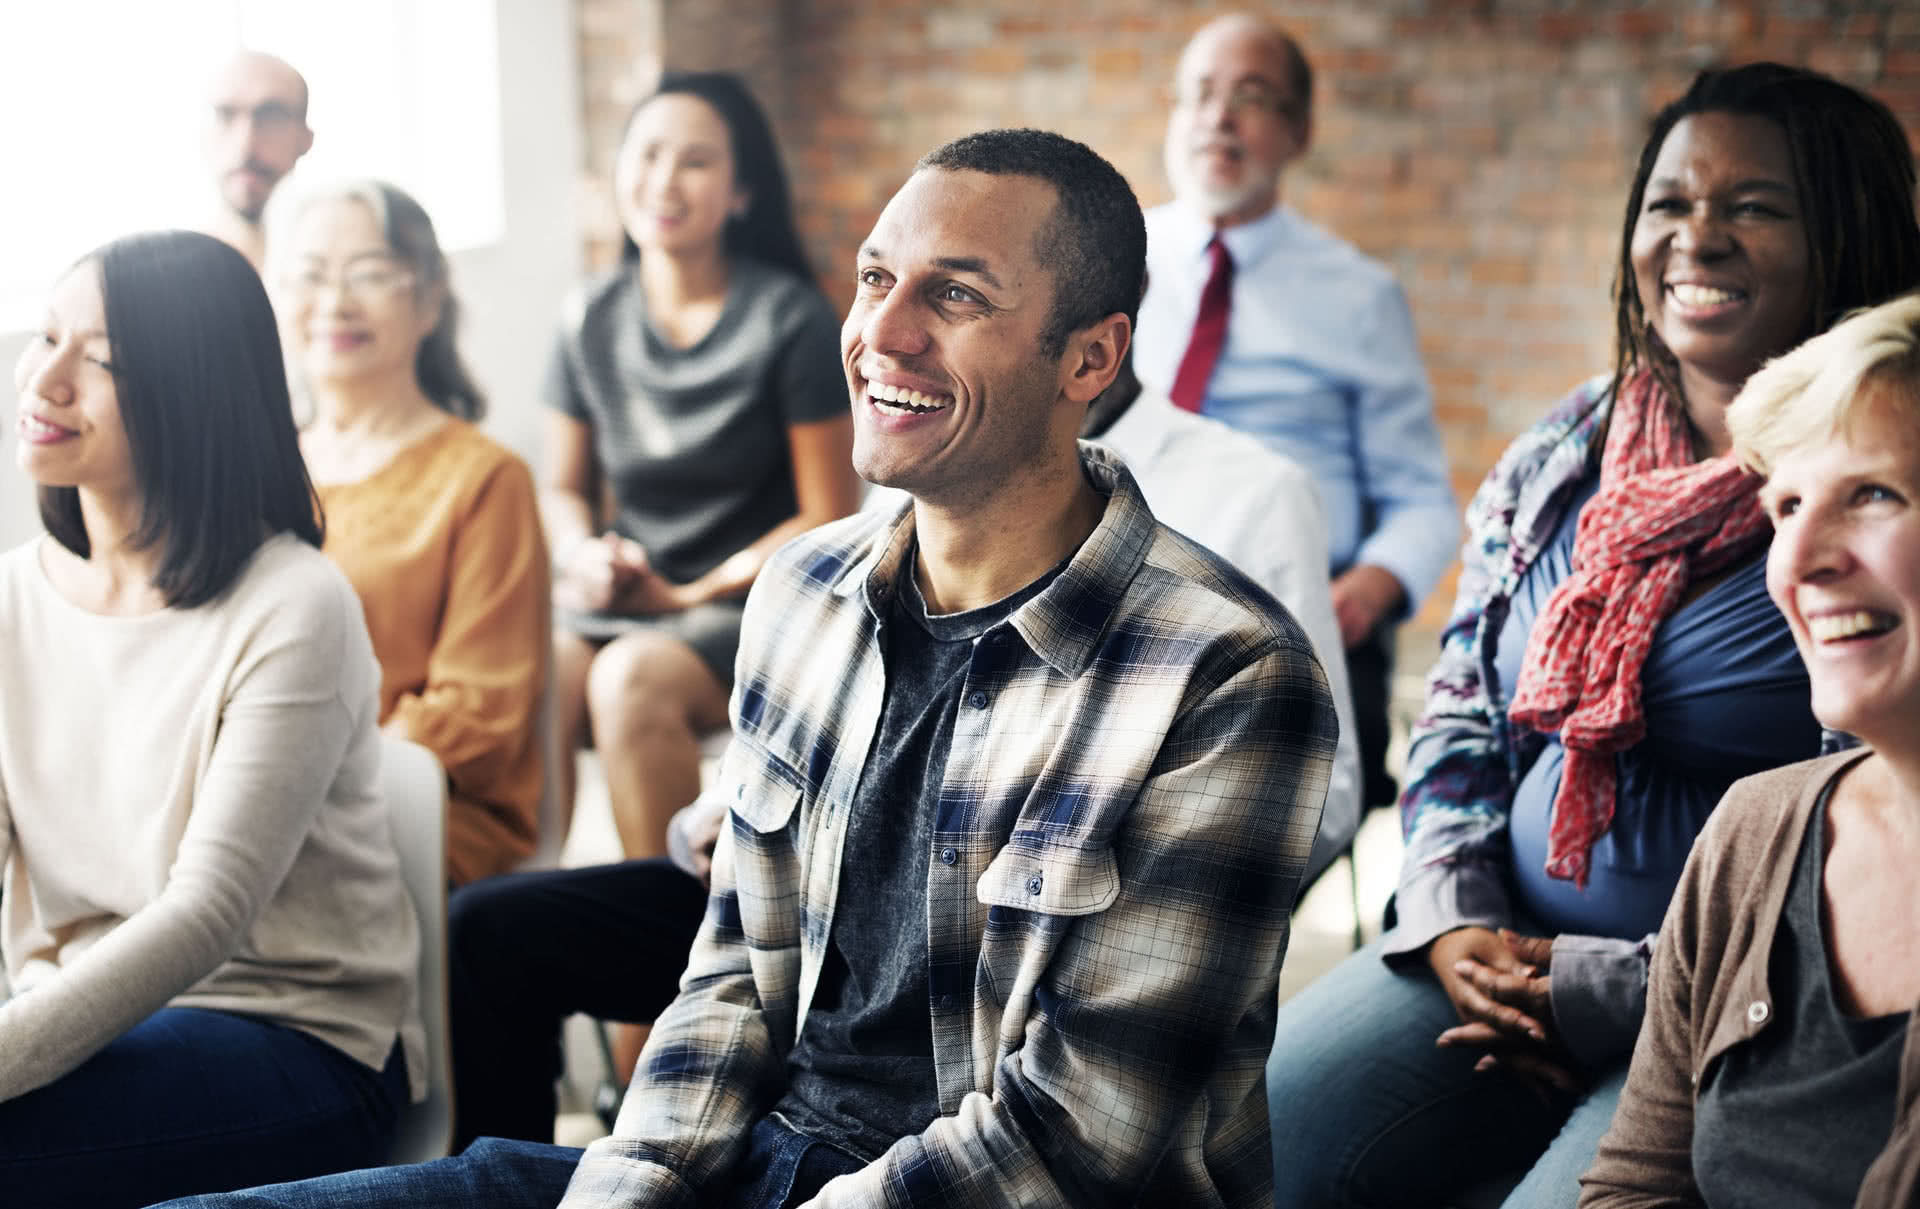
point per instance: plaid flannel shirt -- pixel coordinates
(1136, 775)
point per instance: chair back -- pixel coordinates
(554, 815)
(416, 791)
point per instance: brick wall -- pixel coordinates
(1481, 149)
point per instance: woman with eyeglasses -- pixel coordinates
(436, 524)
(210, 950)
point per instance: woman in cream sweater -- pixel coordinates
(210, 950)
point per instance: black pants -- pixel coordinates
(527, 950)
(1370, 674)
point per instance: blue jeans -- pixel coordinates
(1367, 1111)
(781, 1168)
(194, 1101)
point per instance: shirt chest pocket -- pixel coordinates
(1050, 878)
(765, 791)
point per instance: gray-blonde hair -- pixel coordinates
(1821, 389)
(403, 222)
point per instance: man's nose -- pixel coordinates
(894, 324)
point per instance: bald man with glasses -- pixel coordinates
(1259, 319)
(256, 131)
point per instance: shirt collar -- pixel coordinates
(1144, 428)
(1063, 624)
(1246, 242)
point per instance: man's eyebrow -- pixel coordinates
(968, 264)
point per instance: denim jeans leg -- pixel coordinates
(783, 1167)
(493, 1173)
(1554, 1181)
(190, 1101)
(1367, 1112)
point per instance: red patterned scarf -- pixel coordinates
(1659, 521)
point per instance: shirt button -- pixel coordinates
(1033, 884)
(1757, 1012)
(949, 855)
(977, 698)
(946, 1003)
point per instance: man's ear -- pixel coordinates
(306, 140)
(1094, 355)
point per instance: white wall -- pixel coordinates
(511, 290)
(18, 520)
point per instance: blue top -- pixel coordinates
(1321, 363)
(1726, 696)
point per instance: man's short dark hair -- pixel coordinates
(203, 398)
(1095, 242)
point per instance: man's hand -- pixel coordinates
(1500, 987)
(1363, 595)
(692, 833)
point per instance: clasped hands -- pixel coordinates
(610, 573)
(1500, 985)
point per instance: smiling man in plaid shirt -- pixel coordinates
(1021, 786)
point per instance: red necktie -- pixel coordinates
(1209, 331)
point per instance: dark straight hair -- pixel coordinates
(1854, 175)
(203, 398)
(766, 232)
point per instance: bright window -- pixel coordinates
(107, 102)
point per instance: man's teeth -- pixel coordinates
(904, 401)
(1689, 295)
(1832, 627)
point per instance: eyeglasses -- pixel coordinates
(1245, 97)
(267, 115)
(372, 279)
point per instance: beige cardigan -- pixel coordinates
(1708, 992)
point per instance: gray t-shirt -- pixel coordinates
(1797, 1115)
(861, 1075)
(693, 441)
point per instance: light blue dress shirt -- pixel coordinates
(1321, 363)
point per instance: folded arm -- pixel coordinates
(1402, 458)
(488, 665)
(282, 734)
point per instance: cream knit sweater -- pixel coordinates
(190, 816)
